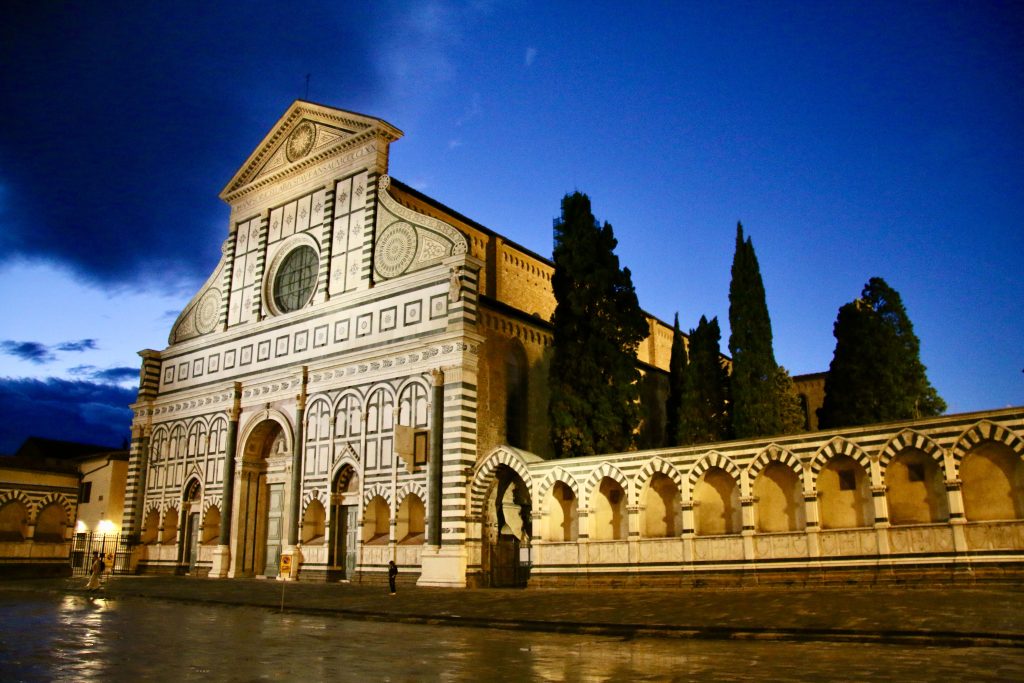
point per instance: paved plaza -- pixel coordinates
(958, 615)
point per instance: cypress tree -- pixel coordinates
(876, 372)
(704, 417)
(677, 366)
(754, 398)
(598, 325)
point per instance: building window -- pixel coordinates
(85, 492)
(419, 447)
(847, 480)
(296, 279)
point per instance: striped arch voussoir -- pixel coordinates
(16, 496)
(412, 488)
(713, 459)
(774, 453)
(60, 500)
(484, 476)
(658, 466)
(212, 502)
(377, 490)
(309, 496)
(558, 475)
(908, 438)
(835, 447)
(982, 432)
(613, 473)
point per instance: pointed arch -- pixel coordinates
(377, 491)
(774, 453)
(984, 430)
(16, 496)
(613, 473)
(908, 438)
(58, 499)
(711, 459)
(348, 457)
(559, 474)
(484, 475)
(211, 502)
(838, 446)
(411, 488)
(658, 465)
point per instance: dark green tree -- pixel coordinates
(676, 386)
(598, 325)
(791, 413)
(876, 372)
(755, 409)
(704, 414)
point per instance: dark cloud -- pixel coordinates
(60, 409)
(121, 121)
(30, 351)
(116, 375)
(80, 345)
(121, 374)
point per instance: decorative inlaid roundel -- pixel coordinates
(300, 141)
(207, 311)
(396, 249)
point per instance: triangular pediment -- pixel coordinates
(307, 134)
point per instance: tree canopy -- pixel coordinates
(755, 401)
(677, 366)
(876, 372)
(704, 414)
(598, 325)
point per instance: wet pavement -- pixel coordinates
(987, 616)
(136, 630)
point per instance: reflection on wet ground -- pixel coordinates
(50, 636)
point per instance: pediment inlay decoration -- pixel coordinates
(407, 240)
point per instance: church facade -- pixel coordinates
(362, 379)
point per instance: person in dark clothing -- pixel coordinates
(392, 575)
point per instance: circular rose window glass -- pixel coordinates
(296, 279)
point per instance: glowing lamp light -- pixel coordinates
(106, 527)
(80, 527)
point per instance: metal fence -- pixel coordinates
(116, 550)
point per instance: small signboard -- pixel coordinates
(286, 565)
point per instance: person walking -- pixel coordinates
(95, 570)
(392, 575)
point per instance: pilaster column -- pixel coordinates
(231, 444)
(435, 462)
(297, 447)
(957, 518)
(813, 525)
(747, 514)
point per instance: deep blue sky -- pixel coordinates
(852, 139)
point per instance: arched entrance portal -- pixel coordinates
(192, 508)
(507, 530)
(344, 523)
(260, 504)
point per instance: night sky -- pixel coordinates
(851, 139)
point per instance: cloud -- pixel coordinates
(531, 54)
(39, 353)
(33, 352)
(126, 194)
(124, 373)
(116, 375)
(61, 409)
(80, 345)
(452, 144)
